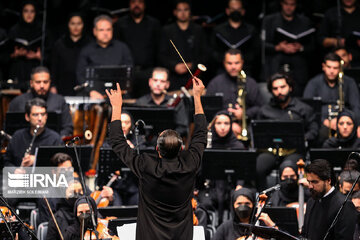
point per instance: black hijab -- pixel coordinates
(284, 195)
(227, 142)
(351, 141)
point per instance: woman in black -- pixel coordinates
(346, 132)
(242, 205)
(222, 134)
(25, 58)
(65, 55)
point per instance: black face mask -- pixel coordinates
(87, 220)
(236, 16)
(289, 184)
(243, 211)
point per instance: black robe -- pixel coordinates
(320, 214)
(165, 185)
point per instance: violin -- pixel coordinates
(102, 229)
(96, 195)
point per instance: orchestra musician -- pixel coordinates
(243, 203)
(166, 177)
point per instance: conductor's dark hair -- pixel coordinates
(233, 51)
(331, 56)
(278, 76)
(323, 169)
(60, 158)
(34, 102)
(169, 143)
(39, 69)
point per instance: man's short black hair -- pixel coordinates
(278, 76)
(233, 51)
(60, 158)
(169, 143)
(39, 69)
(356, 195)
(331, 56)
(34, 102)
(323, 169)
(177, 2)
(348, 176)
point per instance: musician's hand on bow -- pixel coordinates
(237, 111)
(28, 160)
(115, 98)
(304, 182)
(267, 220)
(19, 171)
(95, 95)
(107, 192)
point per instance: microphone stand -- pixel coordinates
(137, 135)
(82, 182)
(32, 234)
(7, 225)
(342, 205)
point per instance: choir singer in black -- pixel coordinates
(167, 177)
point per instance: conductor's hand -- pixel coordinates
(115, 96)
(198, 87)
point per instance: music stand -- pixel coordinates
(114, 223)
(119, 211)
(106, 76)
(16, 120)
(285, 218)
(211, 104)
(337, 157)
(14, 226)
(43, 155)
(156, 118)
(223, 164)
(267, 232)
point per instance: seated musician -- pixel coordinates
(18, 152)
(346, 132)
(222, 134)
(63, 160)
(283, 106)
(222, 138)
(81, 207)
(159, 83)
(242, 205)
(40, 83)
(289, 191)
(347, 179)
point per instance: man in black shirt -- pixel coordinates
(167, 177)
(40, 83)
(18, 152)
(236, 34)
(324, 204)
(158, 84)
(141, 33)
(332, 34)
(226, 84)
(281, 51)
(104, 51)
(326, 86)
(190, 40)
(284, 107)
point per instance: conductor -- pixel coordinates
(166, 177)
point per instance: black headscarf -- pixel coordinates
(284, 195)
(227, 142)
(248, 193)
(74, 229)
(351, 141)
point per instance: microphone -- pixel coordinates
(5, 135)
(272, 189)
(81, 86)
(72, 141)
(140, 121)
